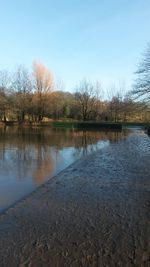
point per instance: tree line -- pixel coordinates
(35, 97)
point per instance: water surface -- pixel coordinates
(31, 156)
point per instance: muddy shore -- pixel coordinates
(94, 213)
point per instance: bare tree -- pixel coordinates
(115, 103)
(4, 84)
(43, 84)
(120, 105)
(87, 95)
(141, 88)
(22, 87)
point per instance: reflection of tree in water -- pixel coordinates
(89, 141)
(27, 152)
(85, 140)
(23, 154)
(43, 170)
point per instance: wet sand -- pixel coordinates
(94, 213)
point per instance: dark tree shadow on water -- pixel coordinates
(148, 131)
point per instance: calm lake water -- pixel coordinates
(31, 156)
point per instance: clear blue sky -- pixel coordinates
(94, 39)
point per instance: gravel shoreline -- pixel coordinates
(94, 213)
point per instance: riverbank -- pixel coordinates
(94, 213)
